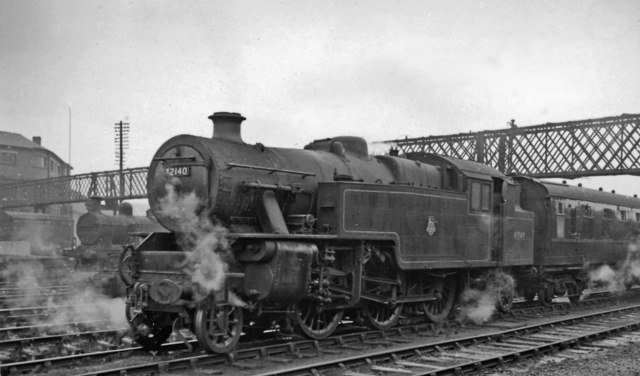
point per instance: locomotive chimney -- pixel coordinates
(226, 126)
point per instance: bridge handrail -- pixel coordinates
(116, 185)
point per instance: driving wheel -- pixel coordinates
(445, 292)
(315, 322)
(381, 316)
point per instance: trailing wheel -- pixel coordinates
(314, 322)
(445, 292)
(545, 296)
(505, 300)
(529, 294)
(150, 329)
(574, 292)
(218, 327)
(504, 285)
(381, 316)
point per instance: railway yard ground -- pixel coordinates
(620, 360)
(614, 355)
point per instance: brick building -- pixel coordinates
(24, 159)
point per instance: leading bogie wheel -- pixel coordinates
(315, 322)
(125, 262)
(218, 327)
(150, 329)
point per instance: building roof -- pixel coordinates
(16, 140)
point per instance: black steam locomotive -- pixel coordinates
(34, 239)
(305, 238)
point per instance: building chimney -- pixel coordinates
(226, 126)
(37, 140)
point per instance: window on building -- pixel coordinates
(560, 208)
(39, 161)
(480, 196)
(588, 211)
(609, 214)
(637, 217)
(8, 158)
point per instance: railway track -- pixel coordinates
(24, 315)
(479, 353)
(252, 355)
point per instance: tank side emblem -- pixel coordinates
(431, 226)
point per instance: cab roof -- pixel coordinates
(469, 169)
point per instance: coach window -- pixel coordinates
(587, 221)
(573, 226)
(480, 196)
(560, 221)
(607, 216)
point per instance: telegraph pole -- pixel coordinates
(122, 141)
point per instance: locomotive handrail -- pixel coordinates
(279, 187)
(270, 169)
(174, 159)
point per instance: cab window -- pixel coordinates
(480, 196)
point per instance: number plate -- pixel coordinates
(179, 171)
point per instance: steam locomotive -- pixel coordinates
(33, 238)
(305, 238)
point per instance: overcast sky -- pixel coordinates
(303, 70)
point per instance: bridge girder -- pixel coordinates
(592, 147)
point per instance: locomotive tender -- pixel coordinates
(328, 232)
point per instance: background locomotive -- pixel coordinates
(102, 238)
(311, 236)
(33, 238)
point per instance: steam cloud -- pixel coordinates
(622, 276)
(78, 300)
(478, 304)
(205, 242)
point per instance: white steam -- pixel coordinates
(479, 303)
(624, 275)
(205, 242)
(69, 297)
